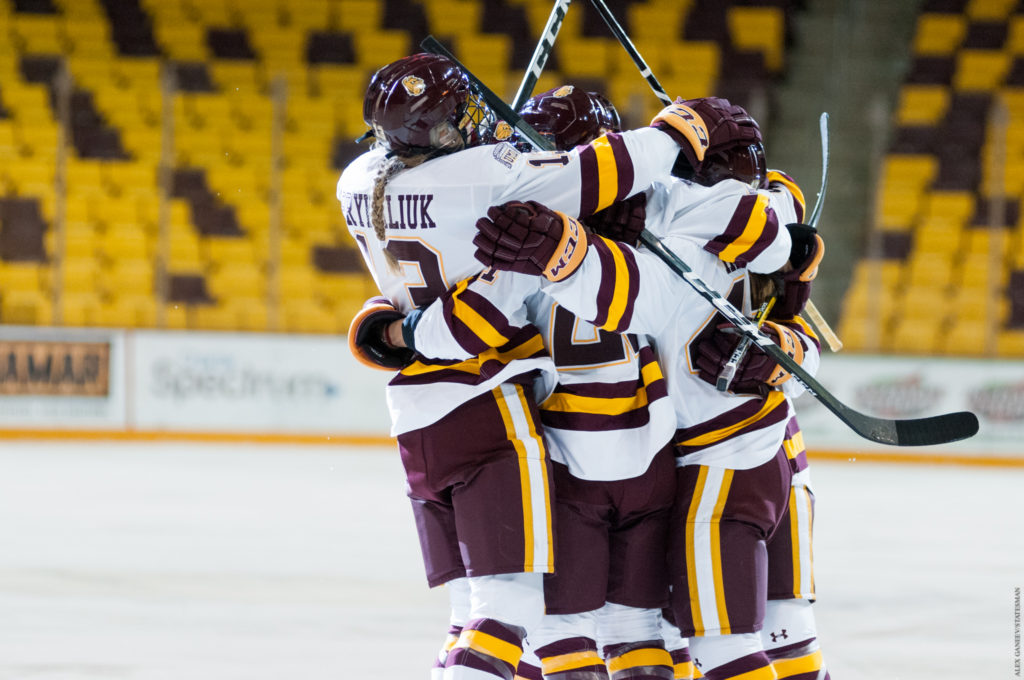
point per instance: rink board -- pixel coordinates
(103, 383)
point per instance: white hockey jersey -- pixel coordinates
(609, 413)
(431, 212)
(629, 291)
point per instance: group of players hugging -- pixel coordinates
(596, 507)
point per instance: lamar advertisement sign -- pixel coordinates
(57, 368)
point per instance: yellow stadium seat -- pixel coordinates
(376, 48)
(696, 66)
(949, 206)
(977, 304)
(454, 17)
(25, 307)
(79, 308)
(332, 80)
(1010, 343)
(937, 237)
(306, 316)
(296, 282)
(216, 317)
(583, 57)
(129, 275)
(657, 21)
(924, 302)
(359, 15)
(760, 29)
(21, 276)
(224, 249)
(1015, 39)
(989, 10)
(128, 311)
(898, 209)
(939, 33)
(485, 54)
(968, 338)
(861, 332)
(251, 314)
(125, 242)
(922, 104)
(237, 279)
(930, 269)
(37, 34)
(79, 275)
(915, 335)
(981, 70)
(237, 76)
(978, 270)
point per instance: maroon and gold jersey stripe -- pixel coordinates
(606, 173)
(619, 285)
(474, 321)
(526, 344)
(751, 229)
(604, 407)
(751, 415)
(799, 204)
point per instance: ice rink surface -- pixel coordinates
(211, 562)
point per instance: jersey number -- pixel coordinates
(566, 350)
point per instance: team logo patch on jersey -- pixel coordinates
(414, 85)
(506, 154)
(563, 91)
(502, 131)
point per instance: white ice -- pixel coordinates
(154, 561)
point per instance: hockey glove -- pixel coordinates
(367, 337)
(757, 372)
(795, 284)
(530, 239)
(622, 221)
(723, 127)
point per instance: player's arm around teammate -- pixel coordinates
(469, 431)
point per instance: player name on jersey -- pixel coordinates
(401, 211)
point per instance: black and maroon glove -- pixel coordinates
(622, 221)
(529, 238)
(367, 336)
(757, 372)
(804, 258)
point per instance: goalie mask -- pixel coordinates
(423, 104)
(569, 116)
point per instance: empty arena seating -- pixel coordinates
(948, 235)
(183, 175)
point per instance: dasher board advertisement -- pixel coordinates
(916, 387)
(259, 383)
(61, 378)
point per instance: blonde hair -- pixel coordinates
(391, 167)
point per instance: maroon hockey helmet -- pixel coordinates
(424, 103)
(745, 163)
(569, 116)
(610, 120)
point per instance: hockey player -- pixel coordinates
(468, 432)
(734, 472)
(759, 229)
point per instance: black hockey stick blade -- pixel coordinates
(930, 431)
(497, 104)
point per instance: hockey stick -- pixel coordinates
(940, 429)
(815, 318)
(616, 28)
(811, 311)
(813, 315)
(541, 53)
